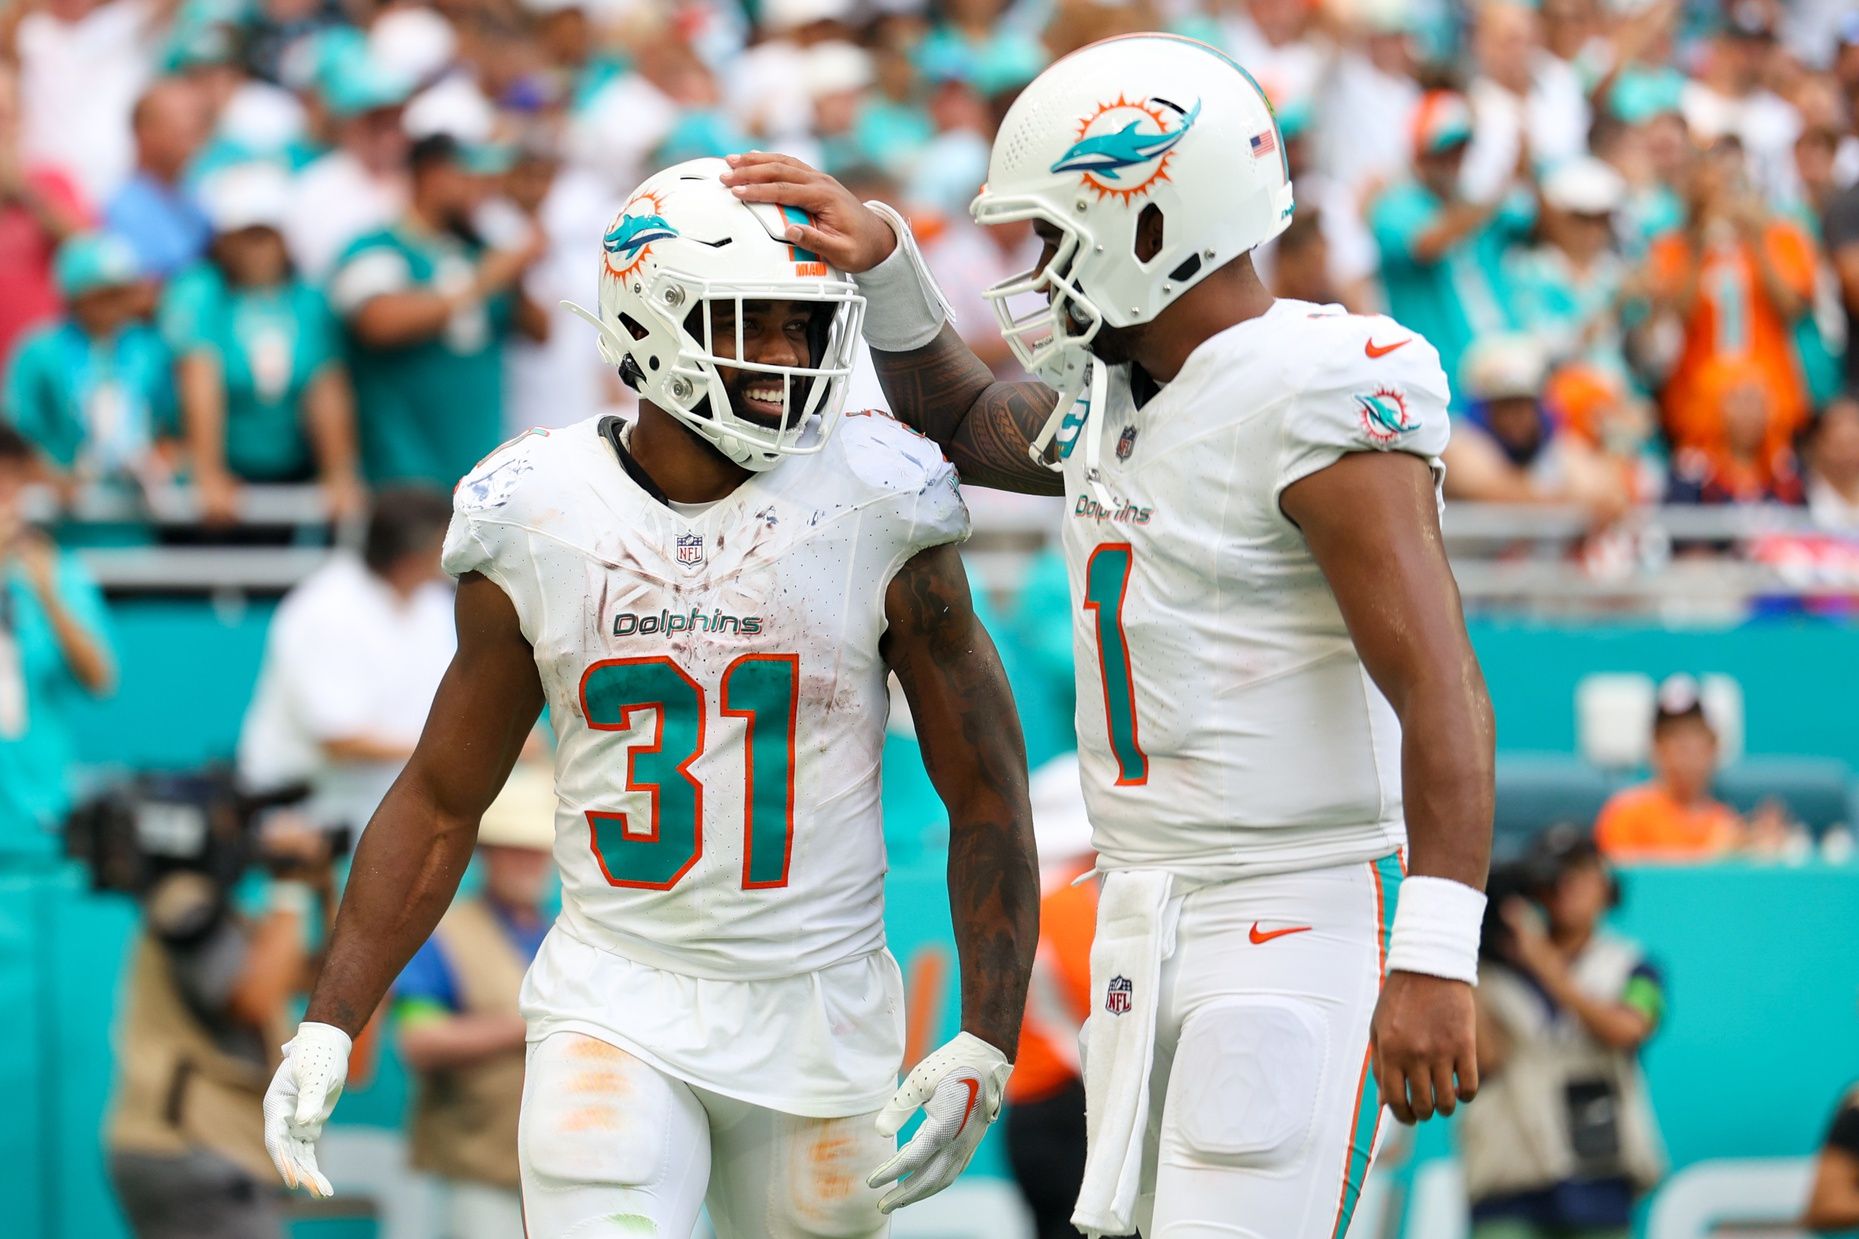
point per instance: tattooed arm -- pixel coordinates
(419, 841)
(941, 389)
(972, 749)
(985, 427)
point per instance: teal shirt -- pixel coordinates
(101, 402)
(1559, 307)
(35, 792)
(1459, 297)
(427, 412)
(269, 344)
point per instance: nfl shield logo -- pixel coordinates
(1126, 443)
(1117, 995)
(690, 549)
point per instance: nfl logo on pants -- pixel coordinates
(1117, 995)
(690, 548)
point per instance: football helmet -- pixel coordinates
(684, 248)
(1099, 139)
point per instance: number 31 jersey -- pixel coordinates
(719, 703)
(1226, 726)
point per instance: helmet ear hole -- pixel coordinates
(1150, 227)
(634, 327)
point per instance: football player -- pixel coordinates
(1269, 642)
(709, 601)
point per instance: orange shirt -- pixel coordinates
(1645, 824)
(1060, 997)
(1734, 319)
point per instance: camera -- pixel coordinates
(133, 834)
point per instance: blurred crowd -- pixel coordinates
(264, 241)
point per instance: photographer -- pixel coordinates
(1562, 1137)
(207, 1004)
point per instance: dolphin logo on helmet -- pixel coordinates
(635, 231)
(1104, 154)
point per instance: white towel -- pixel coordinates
(1126, 970)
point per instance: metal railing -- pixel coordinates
(1537, 558)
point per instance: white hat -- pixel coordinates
(412, 43)
(1584, 185)
(784, 15)
(836, 66)
(523, 815)
(247, 195)
(1504, 367)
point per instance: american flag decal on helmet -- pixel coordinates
(1264, 144)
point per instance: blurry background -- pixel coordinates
(274, 273)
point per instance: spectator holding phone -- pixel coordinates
(1563, 1138)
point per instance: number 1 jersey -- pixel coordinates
(1226, 725)
(718, 699)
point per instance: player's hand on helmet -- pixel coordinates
(843, 231)
(1423, 1044)
(959, 1088)
(298, 1103)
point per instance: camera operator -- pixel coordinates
(1562, 1137)
(208, 994)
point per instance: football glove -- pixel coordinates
(959, 1088)
(299, 1101)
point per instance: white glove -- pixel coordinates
(960, 1088)
(298, 1103)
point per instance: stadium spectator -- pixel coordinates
(1731, 96)
(207, 999)
(263, 394)
(155, 210)
(1509, 448)
(1832, 481)
(93, 389)
(1443, 254)
(361, 184)
(460, 1031)
(1734, 280)
(82, 65)
(54, 650)
(1840, 230)
(1527, 105)
(1562, 1138)
(1833, 1197)
(428, 307)
(1570, 287)
(1674, 817)
(351, 663)
(39, 207)
(1747, 463)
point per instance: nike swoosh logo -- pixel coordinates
(974, 1091)
(1259, 938)
(1382, 350)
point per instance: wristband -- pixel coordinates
(1437, 923)
(904, 308)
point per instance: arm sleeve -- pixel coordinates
(486, 535)
(365, 274)
(1352, 402)
(940, 516)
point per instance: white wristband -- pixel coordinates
(904, 308)
(1437, 923)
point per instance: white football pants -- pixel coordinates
(611, 1147)
(1263, 1115)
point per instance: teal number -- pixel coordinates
(1106, 581)
(763, 689)
(657, 853)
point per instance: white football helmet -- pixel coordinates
(1140, 121)
(683, 244)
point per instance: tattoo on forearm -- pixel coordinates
(945, 391)
(973, 750)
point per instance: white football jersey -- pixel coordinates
(1226, 726)
(719, 703)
